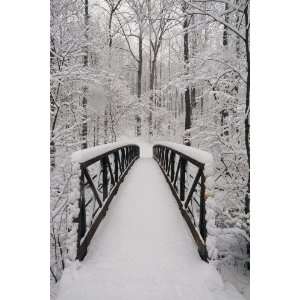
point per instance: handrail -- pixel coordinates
(100, 178)
(185, 174)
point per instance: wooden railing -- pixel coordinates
(185, 176)
(99, 181)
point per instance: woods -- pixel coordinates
(173, 70)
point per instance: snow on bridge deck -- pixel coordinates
(143, 249)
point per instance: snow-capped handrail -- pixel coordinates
(88, 155)
(102, 170)
(188, 172)
(197, 156)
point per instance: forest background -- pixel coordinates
(270, 91)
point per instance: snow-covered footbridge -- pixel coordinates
(145, 246)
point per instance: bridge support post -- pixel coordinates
(172, 165)
(82, 213)
(182, 179)
(104, 178)
(116, 160)
(202, 220)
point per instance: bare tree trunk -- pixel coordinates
(53, 110)
(84, 120)
(55, 279)
(193, 97)
(193, 50)
(247, 120)
(225, 31)
(188, 108)
(151, 86)
(139, 82)
(105, 126)
(52, 143)
(112, 125)
(61, 253)
(108, 106)
(52, 152)
(97, 130)
(247, 109)
(84, 128)
(151, 80)
(237, 43)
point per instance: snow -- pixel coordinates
(238, 278)
(86, 154)
(143, 249)
(195, 153)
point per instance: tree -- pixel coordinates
(188, 108)
(85, 64)
(138, 18)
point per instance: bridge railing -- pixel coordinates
(102, 169)
(184, 169)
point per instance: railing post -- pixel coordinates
(182, 179)
(166, 159)
(202, 221)
(123, 159)
(82, 213)
(126, 157)
(104, 178)
(131, 153)
(116, 156)
(160, 155)
(172, 162)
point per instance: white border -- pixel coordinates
(24, 148)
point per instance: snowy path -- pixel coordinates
(143, 249)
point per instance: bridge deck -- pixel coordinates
(143, 249)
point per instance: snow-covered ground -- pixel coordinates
(143, 249)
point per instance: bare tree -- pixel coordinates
(84, 129)
(137, 18)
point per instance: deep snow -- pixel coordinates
(143, 249)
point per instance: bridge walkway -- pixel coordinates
(143, 249)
